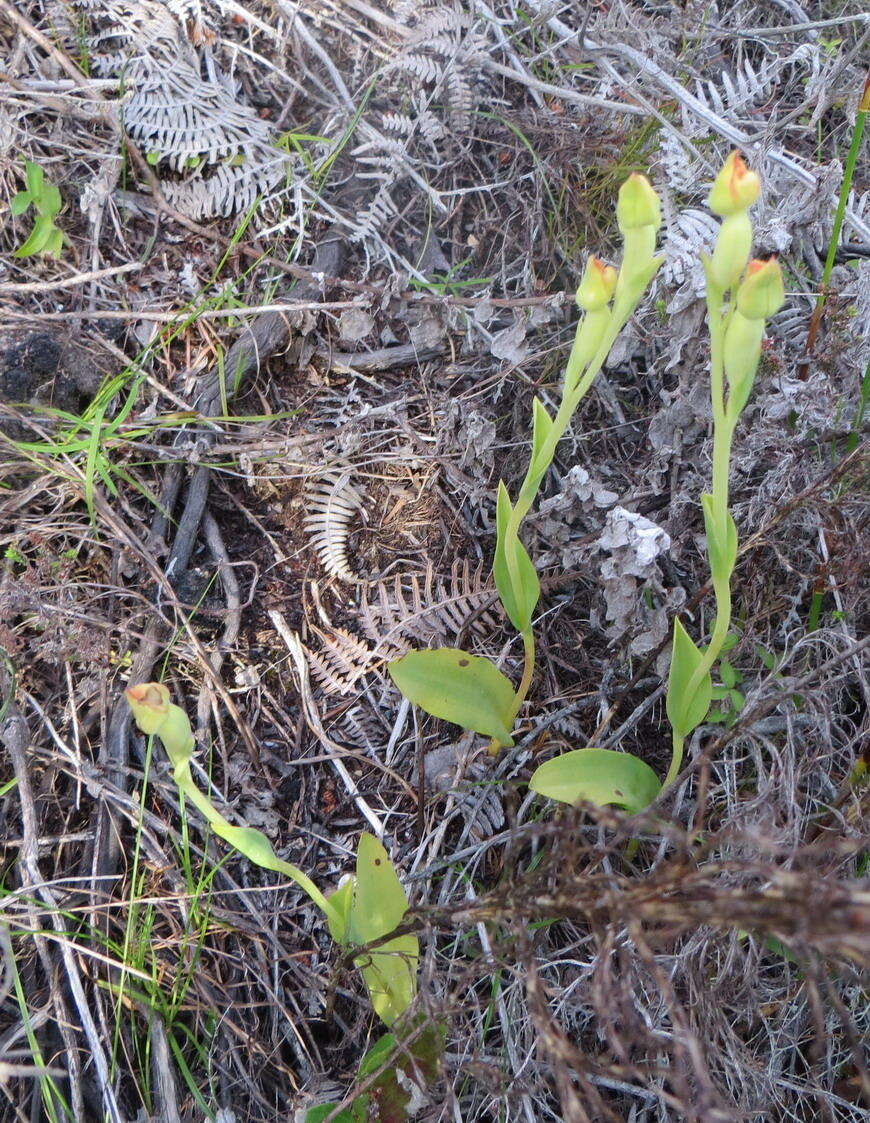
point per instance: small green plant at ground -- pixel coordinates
(44, 197)
(468, 689)
(365, 908)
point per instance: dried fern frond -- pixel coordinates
(406, 611)
(181, 108)
(331, 504)
(342, 660)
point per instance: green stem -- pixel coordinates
(845, 188)
(236, 836)
(576, 384)
(528, 669)
(676, 761)
(723, 433)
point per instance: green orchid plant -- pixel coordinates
(367, 906)
(45, 238)
(741, 296)
(469, 690)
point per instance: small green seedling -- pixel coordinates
(467, 689)
(44, 197)
(366, 907)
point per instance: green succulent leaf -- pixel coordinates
(54, 247)
(49, 201)
(43, 228)
(519, 602)
(20, 202)
(35, 177)
(722, 551)
(601, 776)
(684, 713)
(465, 689)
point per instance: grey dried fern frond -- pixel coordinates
(181, 108)
(331, 503)
(407, 611)
(341, 660)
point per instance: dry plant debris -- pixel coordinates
(326, 250)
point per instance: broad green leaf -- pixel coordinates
(728, 673)
(685, 713)
(465, 689)
(542, 426)
(722, 553)
(20, 202)
(35, 177)
(601, 776)
(379, 904)
(39, 236)
(519, 603)
(380, 901)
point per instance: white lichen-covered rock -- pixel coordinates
(636, 602)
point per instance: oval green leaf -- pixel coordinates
(465, 689)
(601, 776)
(19, 203)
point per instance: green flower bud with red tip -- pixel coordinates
(597, 286)
(155, 714)
(762, 292)
(735, 188)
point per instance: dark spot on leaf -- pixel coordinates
(616, 791)
(463, 662)
(377, 861)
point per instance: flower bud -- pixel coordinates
(589, 337)
(150, 704)
(731, 252)
(596, 287)
(155, 714)
(741, 355)
(638, 204)
(762, 293)
(735, 188)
